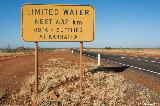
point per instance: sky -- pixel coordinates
(119, 23)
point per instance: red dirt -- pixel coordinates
(149, 80)
(13, 71)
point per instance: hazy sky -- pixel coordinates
(119, 23)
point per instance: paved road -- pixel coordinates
(147, 64)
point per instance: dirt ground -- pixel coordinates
(15, 68)
(151, 81)
(14, 71)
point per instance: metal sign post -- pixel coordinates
(36, 67)
(81, 72)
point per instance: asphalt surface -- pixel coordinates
(151, 65)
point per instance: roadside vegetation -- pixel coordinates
(59, 86)
(2, 94)
(22, 49)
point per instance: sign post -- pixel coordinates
(81, 71)
(36, 67)
(57, 23)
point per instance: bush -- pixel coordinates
(108, 48)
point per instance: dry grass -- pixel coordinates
(2, 94)
(132, 52)
(8, 55)
(59, 86)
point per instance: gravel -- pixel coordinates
(59, 86)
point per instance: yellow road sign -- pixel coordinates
(68, 23)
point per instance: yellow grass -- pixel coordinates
(107, 89)
(132, 52)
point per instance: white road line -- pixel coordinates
(145, 60)
(158, 73)
(120, 63)
(153, 61)
(128, 65)
(116, 62)
(124, 64)
(132, 66)
(139, 68)
(154, 72)
(151, 71)
(122, 57)
(135, 67)
(147, 70)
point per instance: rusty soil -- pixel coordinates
(14, 70)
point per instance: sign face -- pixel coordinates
(68, 23)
